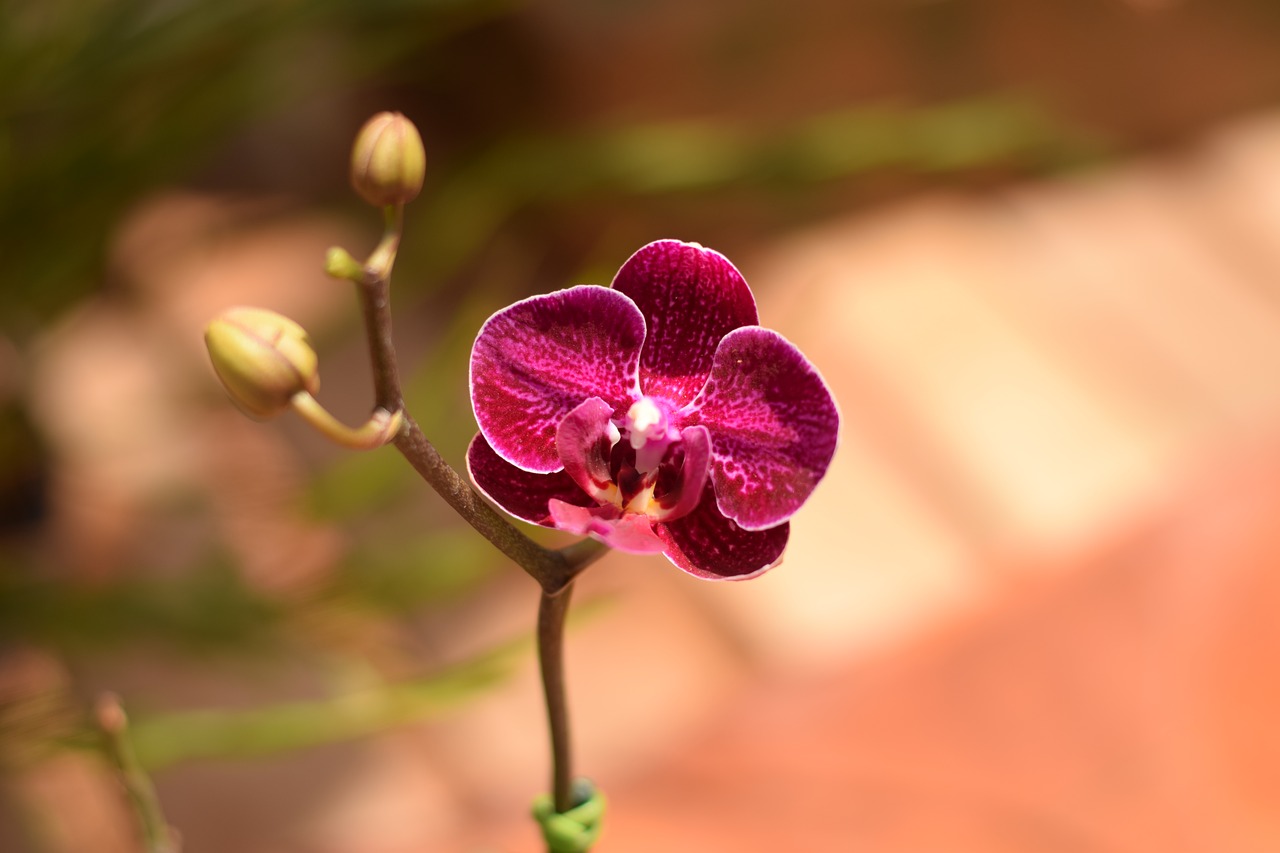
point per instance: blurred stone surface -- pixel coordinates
(1124, 703)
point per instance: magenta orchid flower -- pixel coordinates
(654, 415)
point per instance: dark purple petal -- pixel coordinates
(686, 492)
(627, 532)
(773, 427)
(537, 360)
(690, 297)
(522, 493)
(584, 439)
(707, 545)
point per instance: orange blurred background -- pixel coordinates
(1034, 248)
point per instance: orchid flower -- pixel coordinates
(654, 414)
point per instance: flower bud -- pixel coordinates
(388, 161)
(262, 358)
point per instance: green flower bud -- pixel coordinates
(262, 358)
(388, 161)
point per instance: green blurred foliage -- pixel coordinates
(209, 608)
(688, 159)
(102, 101)
(162, 740)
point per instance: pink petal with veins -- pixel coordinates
(537, 360)
(773, 427)
(521, 493)
(690, 297)
(707, 545)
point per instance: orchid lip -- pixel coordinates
(639, 463)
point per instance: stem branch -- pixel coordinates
(157, 836)
(553, 570)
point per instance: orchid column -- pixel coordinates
(654, 415)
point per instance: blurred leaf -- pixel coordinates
(211, 608)
(358, 483)
(401, 575)
(710, 156)
(167, 739)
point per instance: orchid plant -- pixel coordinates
(654, 415)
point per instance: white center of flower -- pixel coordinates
(646, 422)
(650, 433)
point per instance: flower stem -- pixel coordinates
(553, 570)
(375, 304)
(549, 568)
(551, 620)
(373, 433)
(157, 836)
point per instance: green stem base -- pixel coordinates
(574, 830)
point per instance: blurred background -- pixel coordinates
(1033, 246)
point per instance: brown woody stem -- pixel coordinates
(551, 618)
(554, 570)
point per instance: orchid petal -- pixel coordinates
(707, 545)
(690, 297)
(773, 427)
(523, 494)
(584, 439)
(626, 532)
(538, 359)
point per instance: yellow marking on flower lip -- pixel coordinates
(642, 502)
(608, 494)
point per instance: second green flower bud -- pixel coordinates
(263, 359)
